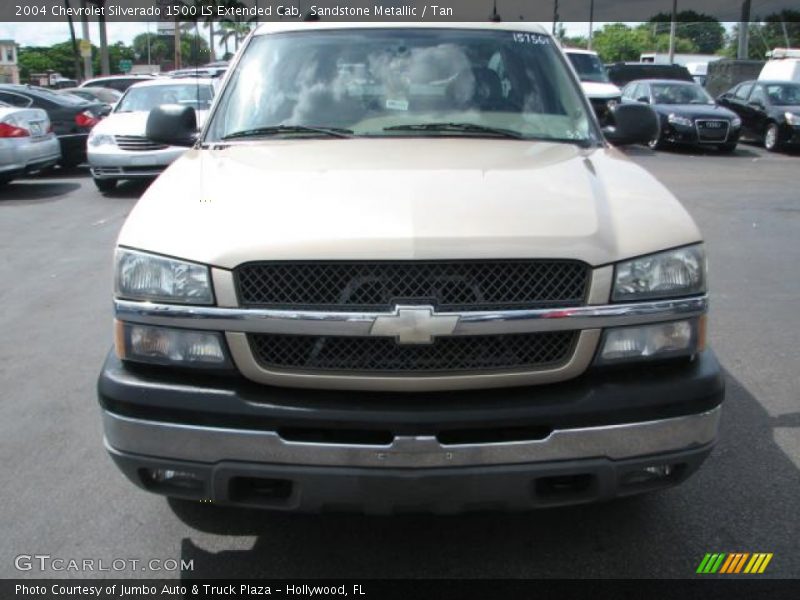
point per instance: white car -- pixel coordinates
(27, 142)
(594, 80)
(117, 147)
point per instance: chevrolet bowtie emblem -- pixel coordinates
(414, 325)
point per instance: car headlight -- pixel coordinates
(736, 122)
(148, 277)
(170, 346)
(679, 120)
(792, 119)
(680, 272)
(100, 139)
(652, 342)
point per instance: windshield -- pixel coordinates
(420, 82)
(680, 93)
(783, 94)
(588, 67)
(145, 98)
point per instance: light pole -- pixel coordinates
(591, 22)
(673, 26)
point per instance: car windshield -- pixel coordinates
(420, 82)
(588, 67)
(680, 93)
(783, 94)
(146, 97)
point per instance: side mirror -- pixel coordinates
(632, 124)
(643, 99)
(756, 104)
(172, 124)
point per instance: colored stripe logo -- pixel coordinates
(734, 563)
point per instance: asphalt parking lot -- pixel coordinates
(62, 495)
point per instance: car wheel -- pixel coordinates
(772, 138)
(105, 185)
(727, 148)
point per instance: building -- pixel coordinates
(9, 71)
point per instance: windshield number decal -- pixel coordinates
(531, 38)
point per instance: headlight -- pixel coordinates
(168, 346)
(792, 119)
(100, 139)
(141, 276)
(679, 120)
(652, 342)
(736, 122)
(680, 272)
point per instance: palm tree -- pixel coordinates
(105, 66)
(74, 40)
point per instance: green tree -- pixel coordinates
(58, 58)
(618, 42)
(767, 35)
(706, 33)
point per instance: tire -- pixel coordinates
(772, 138)
(727, 148)
(105, 185)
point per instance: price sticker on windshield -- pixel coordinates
(536, 39)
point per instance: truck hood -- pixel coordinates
(395, 199)
(133, 123)
(600, 90)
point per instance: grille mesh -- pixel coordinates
(447, 285)
(137, 143)
(384, 355)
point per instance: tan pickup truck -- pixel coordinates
(402, 268)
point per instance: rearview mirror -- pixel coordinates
(632, 124)
(172, 124)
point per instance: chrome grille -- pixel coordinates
(712, 130)
(137, 143)
(376, 355)
(446, 285)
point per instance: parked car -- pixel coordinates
(784, 65)
(70, 116)
(687, 113)
(770, 112)
(108, 96)
(595, 82)
(116, 82)
(27, 142)
(118, 146)
(622, 74)
(401, 269)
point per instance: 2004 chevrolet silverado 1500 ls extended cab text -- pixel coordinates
(401, 269)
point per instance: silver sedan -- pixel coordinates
(27, 143)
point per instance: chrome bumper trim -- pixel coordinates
(212, 444)
(297, 322)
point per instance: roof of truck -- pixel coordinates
(281, 26)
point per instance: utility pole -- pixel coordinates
(591, 22)
(673, 28)
(87, 60)
(744, 33)
(555, 16)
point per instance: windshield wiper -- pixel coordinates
(338, 132)
(461, 127)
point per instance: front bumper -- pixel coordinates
(682, 134)
(601, 435)
(111, 162)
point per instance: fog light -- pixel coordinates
(650, 474)
(172, 479)
(167, 346)
(648, 342)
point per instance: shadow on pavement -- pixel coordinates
(129, 189)
(59, 172)
(25, 191)
(741, 500)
